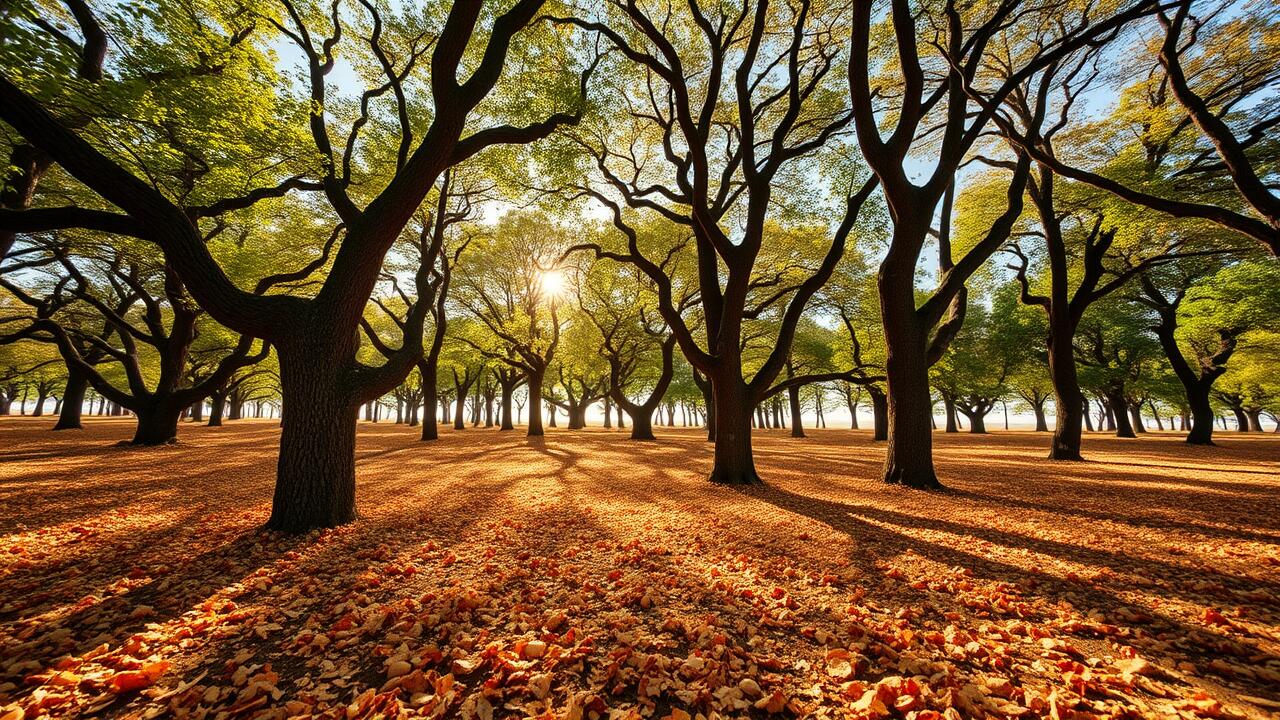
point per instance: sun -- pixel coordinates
(553, 283)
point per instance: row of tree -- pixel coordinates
(317, 183)
(995, 359)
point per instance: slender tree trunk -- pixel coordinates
(459, 410)
(622, 419)
(315, 475)
(1038, 408)
(709, 402)
(879, 414)
(72, 401)
(217, 406)
(1068, 401)
(1242, 420)
(733, 463)
(1084, 412)
(428, 371)
(797, 422)
(949, 406)
(608, 414)
(1135, 414)
(504, 413)
(1155, 415)
(1119, 410)
(1255, 420)
(41, 396)
(197, 411)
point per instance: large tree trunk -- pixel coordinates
(1255, 420)
(733, 463)
(157, 423)
(1242, 420)
(909, 455)
(577, 416)
(72, 401)
(977, 422)
(534, 384)
(316, 473)
(642, 424)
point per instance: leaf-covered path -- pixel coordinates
(589, 576)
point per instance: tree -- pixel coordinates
(581, 374)
(1118, 355)
(511, 283)
(1220, 75)
(315, 337)
(721, 127)
(974, 374)
(150, 325)
(936, 105)
(1073, 235)
(1204, 309)
(641, 356)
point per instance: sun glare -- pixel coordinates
(553, 284)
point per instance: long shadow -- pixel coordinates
(993, 500)
(841, 517)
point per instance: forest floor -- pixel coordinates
(589, 576)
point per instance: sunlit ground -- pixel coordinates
(586, 575)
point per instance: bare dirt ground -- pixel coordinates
(589, 576)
